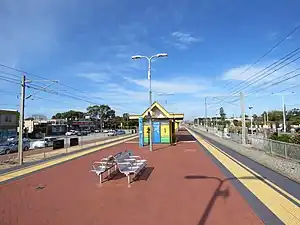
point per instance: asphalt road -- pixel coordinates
(82, 140)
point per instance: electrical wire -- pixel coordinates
(40, 77)
(269, 67)
(269, 51)
(267, 83)
(262, 77)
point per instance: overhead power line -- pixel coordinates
(268, 82)
(40, 77)
(269, 51)
(269, 67)
(264, 75)
(10, 80)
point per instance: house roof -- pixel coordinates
(166, 114)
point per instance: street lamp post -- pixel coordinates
(159, 55)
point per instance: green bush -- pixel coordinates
(296, 139)
(282, 137)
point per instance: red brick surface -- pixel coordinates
(180, 186)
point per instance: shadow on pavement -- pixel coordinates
(144, 175)
(184, 137)
(218, 192)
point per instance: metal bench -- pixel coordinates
(124, 161)
(131, 166)
(100, 167)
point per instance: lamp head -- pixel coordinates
(136, 57)
(159, 55)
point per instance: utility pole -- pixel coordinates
(243, 118)
(205, 103)
(150, 104)
(251, 119)
(267, 115)
(283, 113)
(21, 120)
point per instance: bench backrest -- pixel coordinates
(121, 157)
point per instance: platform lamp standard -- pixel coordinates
(159, 55)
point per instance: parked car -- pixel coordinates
(12, 146)
(97, 131)
(112, 133)
(120, 132)
(12, 138)
(82, 133)
(227, 136)
(46, 142)
(69, 133)
(105, 131)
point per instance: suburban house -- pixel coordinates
(8, 123)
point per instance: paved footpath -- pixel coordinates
(182, 184)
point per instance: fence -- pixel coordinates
(283, 149)
(38, 155)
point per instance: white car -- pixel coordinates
(69, 133)
(97, 131)
(105, 131)
(227, 136)
(38, 144)
(112, 133)
(46, 142)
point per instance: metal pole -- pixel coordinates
(21, 120)
(205, 103)
(150, 103)
(267, 115)
(283, 113)
(251, 121)
(243, 118)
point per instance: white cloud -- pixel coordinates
(185, 37)
(260, 79)
(176, 85)
(97, 77)
(183, 40)
(243, 72)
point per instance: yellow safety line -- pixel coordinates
(30, 169)
(287, 211)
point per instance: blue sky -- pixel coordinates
(88, 45)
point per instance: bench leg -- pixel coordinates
(129, 180)
(100, 179)
(108, 172)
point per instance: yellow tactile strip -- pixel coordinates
(287, 211)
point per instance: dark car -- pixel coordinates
(12, 146)
(120, 132)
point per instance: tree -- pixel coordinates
(71, 114)
(235, 122)
(195, 121)
(103, 113)
(293, 116)
(275, 115)
(125, 119)
(222, 114)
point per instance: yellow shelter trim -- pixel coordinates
(162, 109)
